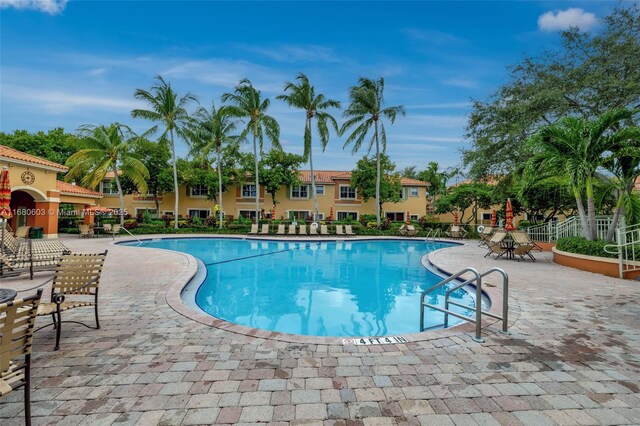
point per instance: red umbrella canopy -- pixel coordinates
(494, 218)
(509, 225)
(408, 220)
(5, 194)
(455, 218)
(331, 213)
(273, 213)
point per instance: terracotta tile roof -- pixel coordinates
(14, 154)
(329, 176)
(68, 188)
(111, 175)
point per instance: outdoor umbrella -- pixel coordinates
(5, 200)
(455, 218)
(331, 213)
(494, 218)
(273, 213)
(408, 221)
(509, 225)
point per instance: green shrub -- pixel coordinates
(524, 224)
(579, 245)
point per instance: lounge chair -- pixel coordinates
(485, 235)
(10, 244)
(403, 230)
(324, 230)
(280, 230)
(523, 245)
(411, 231)
(74, 285)
(32, 256)
(495, 245)
(339, 230)
(456, 232)
(302, 230)
(254, 229)
(526, 239)
(17, 321)
(313, 230)
(23, 232)
(265, 229)
(85, 230)
(292, 230)
(348, 230)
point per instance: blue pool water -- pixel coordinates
(353, 288)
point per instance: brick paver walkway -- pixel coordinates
(573, 358)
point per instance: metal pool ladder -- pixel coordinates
(476, 318)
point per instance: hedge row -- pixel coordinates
(579, 245)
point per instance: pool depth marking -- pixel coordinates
(375, 341)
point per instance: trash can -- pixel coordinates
(35, 232)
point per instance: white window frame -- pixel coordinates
(168, 213)
(412, 189)
(414, 217)
(140, 210)
(347, 212)
(320, 216)
(200, 187)
(485, 216)
(107, 184)
(355, 192)
(320, 192)
(299, 187)
(249, 211)
(199, 210)
(307, 214)
(242, 191)
(404, 216)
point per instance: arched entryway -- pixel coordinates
(23, 207)
(31, 208)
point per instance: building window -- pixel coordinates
(106, 187)
(199, 191)
(413, 191)
(486, 217)
(167, 213)
(201, 213)
(299, 214)
(248, 191)
(319, 189)
(301, 191)
(413, 216)
(140, 212)
(395, 216)
(347, 215)
(248, 214)
(320, 216)
(347, 192)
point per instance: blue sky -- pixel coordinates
(65, 64)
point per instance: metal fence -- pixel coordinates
(627, 247)
(570, 227)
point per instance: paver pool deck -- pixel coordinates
(572, 358)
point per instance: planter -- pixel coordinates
(598, 265)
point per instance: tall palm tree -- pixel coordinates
(246, 102)
(107, 149)
(167, 108)
(211, 131)
(303, 96)
(365, 111)
(575, 148)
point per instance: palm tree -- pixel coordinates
(167, 108)
(108, 149)
(575, 148)
(211, 131)
(365, 111)
(302, 95)
(245, 102)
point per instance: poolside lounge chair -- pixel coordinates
(526, 239)
(254, 229)
(324, 230)
(23, 232)
(403, 230)
(411, 231)
(523, 245)
(32, 256)
(339, 230)
(265, 229)
(348, 230)
(485, 235)
(11, 244)
(302, 230)
(292, 230)
(313, 230)
(115, 230)
(456, 232)
(280, 230)
(86, 231)
(17, 321)
(495, 244)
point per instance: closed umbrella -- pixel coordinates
(331, 213)
(408, 221)
(273, 213)
(494, 218)
(455, 218)
(5, 200)
(509, 225)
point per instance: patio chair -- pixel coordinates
(485, 235)
(324, 230)
(17, 321)
(526, 239)
(11, 244)
(254, 229)
(115, 230)
(523, 245)
(74, 285)
(265, 229)
(23, 232)
(411, 231)
(313, 230)
(107, 228)
(32, 256)
(402, 230)
(495, 245)
(280, 230)
(456, 232)
(339, 230)
(85, 230)
(302, 230)
(292, 230)
(348, 231)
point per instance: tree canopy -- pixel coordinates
(363, 178)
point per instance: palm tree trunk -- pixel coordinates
(591, 209)
(176, 189)
(583, 217)
(313, 179)
(616, 217)
(115, 171)
(255, 154)
(219, 189)
(377, 177)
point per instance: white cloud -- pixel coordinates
(565, 19)
(96, 72)
(51, 7)
(294, 53)
(461, 82)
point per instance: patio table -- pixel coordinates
(7, 295)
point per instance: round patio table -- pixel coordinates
(7, 295)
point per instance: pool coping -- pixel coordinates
(173, 296)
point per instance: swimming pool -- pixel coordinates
(325, 288)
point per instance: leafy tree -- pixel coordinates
(303, 96)
(437, 180)
(388, 189)
(246, 102)
(592, 73)
(168, 109)
(108, 149)
(409, 172)
(366, 111)
(211, 133)
(55, 145)
(279, 169)
(464, 196)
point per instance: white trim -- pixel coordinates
(323, 190)
(190, 194)
(404, 214)
(340, 197)
(190, 210)
(291, 197)
(417, 191)
(249, 197)
(28, 190)
(348, 211)
(34, 165)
